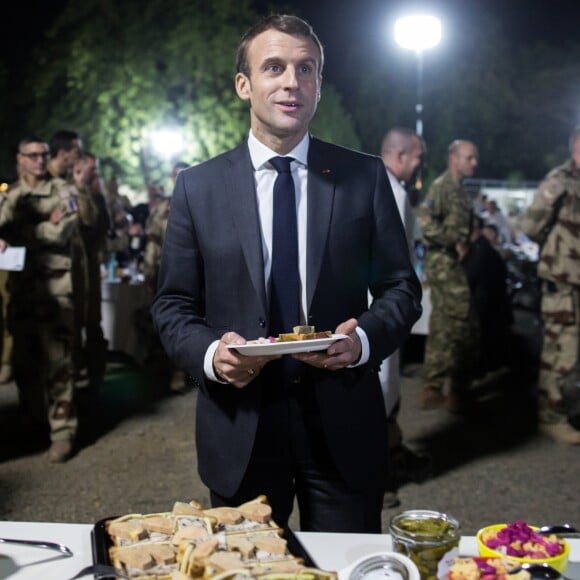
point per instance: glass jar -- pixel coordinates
(424, 536)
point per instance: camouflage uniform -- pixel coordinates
(553, 220)
(445, 216)
(40, 313)
(91, 246)
(155, 230)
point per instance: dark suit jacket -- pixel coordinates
(212, 280)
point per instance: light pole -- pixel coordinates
(418, 33)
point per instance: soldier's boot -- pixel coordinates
(553, 422)
(60, 451)
(561, 432)
(63, 426)
(431, 398)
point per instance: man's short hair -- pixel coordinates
(63, 140)
(287, 23)
(28, 139)
(399, 139)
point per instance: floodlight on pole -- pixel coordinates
(418, 33)
(167, 142)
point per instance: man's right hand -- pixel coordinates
(236, 369)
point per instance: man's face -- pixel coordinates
(85, 171)
(283, 87)
(72, 156)
(466, 159)
(411, 162)
(32, 160)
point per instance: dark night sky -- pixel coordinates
(342, 23)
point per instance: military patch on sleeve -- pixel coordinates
(548, 194)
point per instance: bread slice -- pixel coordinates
(127, 531)
(291, 336)
(303, 329)
(258, 509)
(193, 542)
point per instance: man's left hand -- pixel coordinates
(340, 354)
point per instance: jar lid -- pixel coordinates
(382, 566)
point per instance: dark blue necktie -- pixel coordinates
(285, 277)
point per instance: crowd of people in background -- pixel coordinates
(466, 241)
(72, 225)
(78, 230)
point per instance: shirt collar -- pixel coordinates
(260, 154)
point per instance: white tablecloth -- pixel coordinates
(119, 304)
(329, 551)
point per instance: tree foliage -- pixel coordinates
(118, 71)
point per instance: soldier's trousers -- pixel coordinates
(450, 349)
(43, 370)
(560, 350)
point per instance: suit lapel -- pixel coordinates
(241, 192)
(321, 189)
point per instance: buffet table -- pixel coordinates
(329, 551)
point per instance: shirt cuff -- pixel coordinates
(365, 349)
(208, 363)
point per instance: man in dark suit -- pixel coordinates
(312, 426)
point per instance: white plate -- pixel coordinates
(254, 348)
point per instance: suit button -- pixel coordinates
(262, 323)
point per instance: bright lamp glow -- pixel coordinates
(418, 32)
(167, 143)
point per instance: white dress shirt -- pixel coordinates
(265, 176)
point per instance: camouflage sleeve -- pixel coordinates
(8, 203)
(445, 218)
(57, 234)
(88, 212)
(539, 213)
(66, 199)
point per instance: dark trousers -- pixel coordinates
(291, 461)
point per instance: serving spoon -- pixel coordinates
(540, 570)
(562, 530)
(65, 550)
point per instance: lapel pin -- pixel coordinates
(326, 171)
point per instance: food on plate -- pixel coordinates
(298, 333)
(485, 569)
(227, 543)
(518, 539)
(304, 333)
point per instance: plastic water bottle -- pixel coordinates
(112, 269)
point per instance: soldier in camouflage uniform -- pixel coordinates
(42, 213)
(91, 346)
(553, 221)
(445, 216)
(155, 231)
